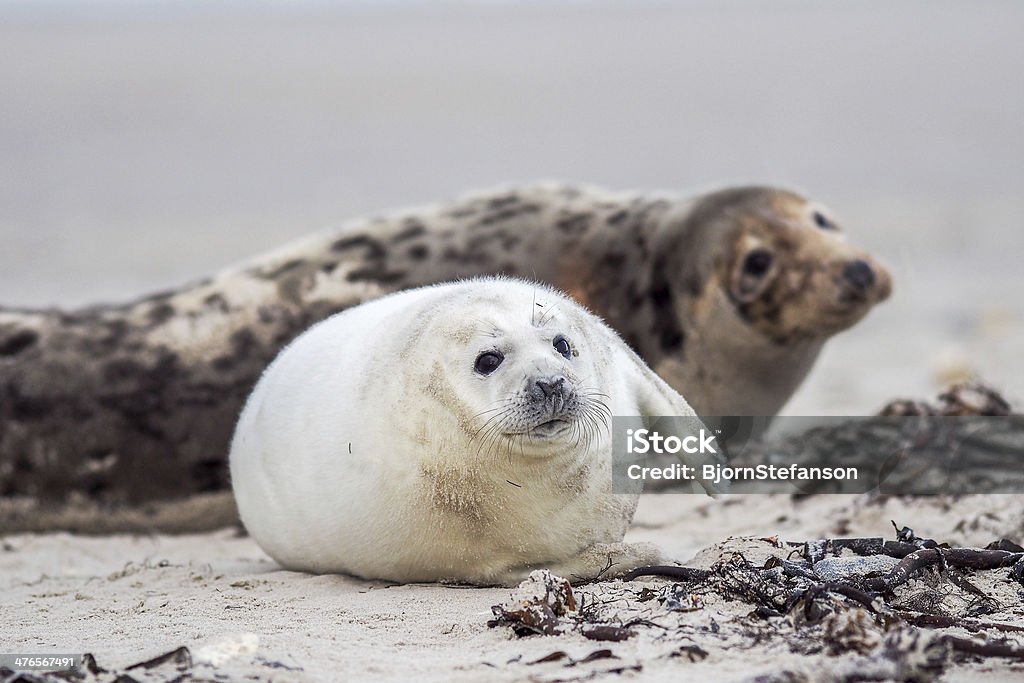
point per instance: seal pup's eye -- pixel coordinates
(488, 362)
(822, 222)
(757, 263)
(561, 345)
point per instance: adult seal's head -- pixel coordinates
(784, 264)
(746, 285)
(458, 432)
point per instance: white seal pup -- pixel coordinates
(455, 432)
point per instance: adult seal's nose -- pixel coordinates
(859, 275)
(546, 388)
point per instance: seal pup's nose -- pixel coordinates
(859, 275)
(546, 388)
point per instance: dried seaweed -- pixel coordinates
(948, 557)
(845, 595)
(606, 632)
(537, 605)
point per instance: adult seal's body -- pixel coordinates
(729, 296)
(456, 432)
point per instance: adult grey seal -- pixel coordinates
(454, 432)
(727, 295)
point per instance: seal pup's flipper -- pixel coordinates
(598, 562)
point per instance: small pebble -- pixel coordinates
(840, 568)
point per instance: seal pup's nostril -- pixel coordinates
(859, 274)
(551, 387)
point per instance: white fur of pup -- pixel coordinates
(374, 445)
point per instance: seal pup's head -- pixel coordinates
(781, 263)
(519, 370)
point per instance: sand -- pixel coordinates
(128, 598)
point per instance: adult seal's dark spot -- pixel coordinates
(17, 342)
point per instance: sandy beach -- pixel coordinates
(147, 146)
(128, 598)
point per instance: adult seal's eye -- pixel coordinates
(822, 222)
(488, 362)
(561, 345)
(757, 263)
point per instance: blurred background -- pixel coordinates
(145, 144)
